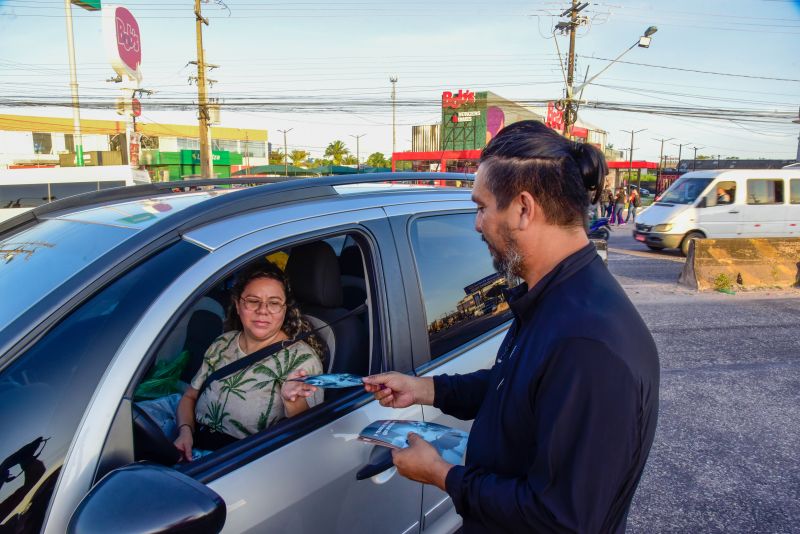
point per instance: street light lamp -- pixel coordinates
(570, 105)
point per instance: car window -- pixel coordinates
(462, 292)
(761, 191)
(794, 191)
(45, 391)
(722, 194)
(685, 190)
(40, 258)
(206, 338)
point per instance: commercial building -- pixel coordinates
(168, 151)
(469, 121)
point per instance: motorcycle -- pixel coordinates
(599, 229)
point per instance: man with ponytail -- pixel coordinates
(564, 420)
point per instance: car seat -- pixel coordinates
(314, 274)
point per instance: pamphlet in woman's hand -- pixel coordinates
(450, 442)
(332, 381)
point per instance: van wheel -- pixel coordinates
(688, 239)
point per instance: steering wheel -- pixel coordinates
(149, 441)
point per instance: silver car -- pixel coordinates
(101, 289)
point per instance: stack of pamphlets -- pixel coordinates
(450, 442)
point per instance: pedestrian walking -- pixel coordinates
(565, 418)
(619, 206)
(634, 201)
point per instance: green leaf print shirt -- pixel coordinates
(249, 400)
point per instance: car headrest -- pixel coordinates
(350, 262)
(314, 275)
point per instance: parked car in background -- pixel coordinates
(100, 289)
(724, 203)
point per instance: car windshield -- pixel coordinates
(685, 190)
(37, 260)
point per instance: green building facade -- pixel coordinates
(173, 166)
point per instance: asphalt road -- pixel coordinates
(726, 456)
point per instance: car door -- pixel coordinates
(720, 213)
(458, 312)
(300, 476)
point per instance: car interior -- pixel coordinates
(329, 282)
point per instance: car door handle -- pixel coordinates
(734, 211)
(379, 461)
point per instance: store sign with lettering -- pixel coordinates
(123, 42)
(449, 100)
(465, 116)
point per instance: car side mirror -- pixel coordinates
(147, 497)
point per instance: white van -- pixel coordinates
(24, 189)
(723, 203)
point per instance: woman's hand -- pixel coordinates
(294, 393)
(184, 442)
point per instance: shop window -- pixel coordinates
(69, 143)
(42, 143)
(225, 144)
(765, 191)
(149, 143)
(254, 149)
(185, 143)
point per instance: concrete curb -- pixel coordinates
(724, 264)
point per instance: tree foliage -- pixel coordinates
(336, 150)
(377, 159)
(276, 157)
(298, 157)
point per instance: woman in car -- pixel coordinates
(262, 312)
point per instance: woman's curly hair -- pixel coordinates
(294, 324)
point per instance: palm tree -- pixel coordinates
(337, 151)
(298, 156)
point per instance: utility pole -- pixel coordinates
(393, 80)
(358, 151)
(204, 117)
(73, 83)
(694, 161)
(285, 152)
(661, 155)
(569, 106)
(680, 146)
(630, 161)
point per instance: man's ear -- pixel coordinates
(527, 211)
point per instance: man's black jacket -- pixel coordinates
(565, 418)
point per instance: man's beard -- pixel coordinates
(509, 262)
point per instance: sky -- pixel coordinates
(322, 69)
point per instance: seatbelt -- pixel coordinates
(260, 354)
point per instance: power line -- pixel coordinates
(699, 71)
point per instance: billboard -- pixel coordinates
(123, 42)
(88, 5)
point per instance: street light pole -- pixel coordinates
(569, 104)
(393, 80)
(358, 151)
(73, 79)
(630, 161)
(285, 152)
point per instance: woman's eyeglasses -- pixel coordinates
(253, 304)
